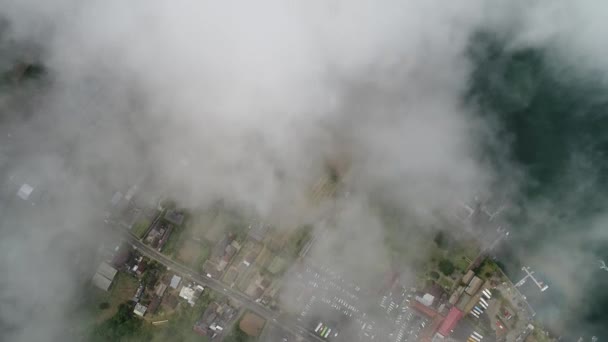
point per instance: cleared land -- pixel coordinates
(188, 252)
(122, 290)
(193, 253)
(140, 227)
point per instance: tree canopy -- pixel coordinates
(446, 267)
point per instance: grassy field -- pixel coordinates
(201, 223)
(488, 269)
(141, 226)
(193, 253)
(246, 277)
(173, 242)
(277, 265)
(188, 252)
(122, 290)
(203, 255)
(217, 228)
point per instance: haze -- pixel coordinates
(247, 102)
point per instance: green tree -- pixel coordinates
(122, 326)
(446, 267)
(439, 239)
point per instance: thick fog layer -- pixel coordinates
(247, 102)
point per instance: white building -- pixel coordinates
(426, 300)
(175, 281)
(25, 191)
(191, 294)
(140, 310)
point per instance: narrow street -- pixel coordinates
(270, 316)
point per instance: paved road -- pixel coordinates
(270, 316)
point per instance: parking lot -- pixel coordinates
(408, 325)
(330, 300)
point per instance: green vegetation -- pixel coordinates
(277, 266)
(446, 283)
(123, 326)
(153, 271)
(488, 269)
(141, 226)
(496, 294)
(461, 263)
(102, 305)
(446, 267)
(434, 275)
(179, 327)
(203, 256)
(170, 246)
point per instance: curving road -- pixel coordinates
(214, 284)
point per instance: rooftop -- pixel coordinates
(106, 270)
(449, 323)
(140, 310)
(104, 276)
(474, 285)
(175, 217)
(191, 294)
(25, 191)
(258, 230)
(175, 281)
(101, 282)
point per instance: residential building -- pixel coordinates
(175, 281)
(191, 294)
(175, 217)
(214, 319)
(140, 310)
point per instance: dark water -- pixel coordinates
(554, 118)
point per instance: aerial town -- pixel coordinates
(226, 274)
(308, 171)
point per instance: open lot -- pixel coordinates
(141, 226)
(122, 290)
(201, 223)
(188, 252)
(193, 253)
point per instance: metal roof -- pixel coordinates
(449, 323)
(106, 270)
